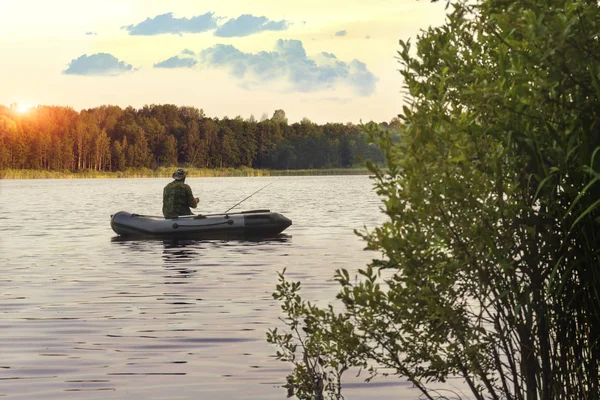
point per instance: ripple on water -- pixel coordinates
(84, 314)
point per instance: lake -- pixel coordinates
(85, 316)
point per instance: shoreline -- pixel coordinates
(10, 174)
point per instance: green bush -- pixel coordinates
(491, 266)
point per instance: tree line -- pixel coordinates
(110, 138)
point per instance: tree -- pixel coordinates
(279, 117)
(140, 154)
(85, 132)
(189, 114)
(192, 144)
(101, 152)
(347, 151)
(169, 155)
(117, 155)
(229, 154)
(156, 137)
(8, 143)
(268, 134)
(120, 152)
(395, 124)
(209, 132)
(490, 268)
(245, 139)
(285, 156)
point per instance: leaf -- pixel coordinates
(585, 213)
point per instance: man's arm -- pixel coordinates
(192, 201)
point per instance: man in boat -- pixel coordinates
(178, 197)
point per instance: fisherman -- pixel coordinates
(178, 197)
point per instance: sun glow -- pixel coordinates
(22, 108)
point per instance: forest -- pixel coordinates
(110, 138)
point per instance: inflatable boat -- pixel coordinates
(240, 224)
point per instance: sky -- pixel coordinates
(325, 60)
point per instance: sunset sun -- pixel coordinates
(23, 108)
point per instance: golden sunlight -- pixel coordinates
(23, 108)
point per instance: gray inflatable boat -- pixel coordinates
(241, 224)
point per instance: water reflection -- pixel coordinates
(81, 312)
(177, 252)
(213, 239)
(182, 257)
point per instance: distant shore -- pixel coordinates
(167, 172)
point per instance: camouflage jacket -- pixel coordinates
(177, 199)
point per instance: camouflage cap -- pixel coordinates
(179, 175)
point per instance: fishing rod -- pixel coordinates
(237, 204)
(200, 216)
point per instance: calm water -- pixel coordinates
(84, 316)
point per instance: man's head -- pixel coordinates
(179, 175)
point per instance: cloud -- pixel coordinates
(341, 33)
(361, 78)
(339, 100)
(247, 24)
(97, 64)
(165, 23)
(176, 62)
(91, 33)
(289, 62)
(188, 52)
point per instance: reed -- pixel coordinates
(165, 172)
(327, 171)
